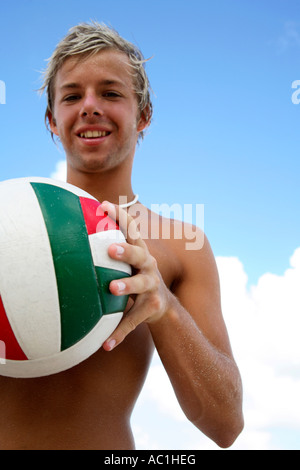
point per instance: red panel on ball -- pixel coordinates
(13, 350)
(95, 219)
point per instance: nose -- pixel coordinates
(91, 106)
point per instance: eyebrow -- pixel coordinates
(107, 82)
(69, 85)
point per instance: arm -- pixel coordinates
(189, 333)
(192, 341)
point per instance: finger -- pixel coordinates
(133, 255)
(125, 221)
(112, 211)
(138, 284)
(129, 323)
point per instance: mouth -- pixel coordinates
(93, 134)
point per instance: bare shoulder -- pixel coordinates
(188, 266)
(182, 246)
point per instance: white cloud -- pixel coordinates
(144, 439)
(60, 172)
(264, 324)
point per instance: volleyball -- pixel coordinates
(56, 309)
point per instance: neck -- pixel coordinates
(107, 186)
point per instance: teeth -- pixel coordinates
(93, 134)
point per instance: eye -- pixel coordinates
(70, 98)
(111, 94)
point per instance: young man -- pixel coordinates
(99, 105)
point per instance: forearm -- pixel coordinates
(194, 347)
(206, 381)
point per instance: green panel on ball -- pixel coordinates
(110, 303)
(77, 284)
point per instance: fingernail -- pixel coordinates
(121, 286)
(111, 344)
(120, 250)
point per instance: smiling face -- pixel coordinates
(95, 112)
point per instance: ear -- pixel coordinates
(52, 123)
(145, 119)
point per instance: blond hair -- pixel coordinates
(90, 38)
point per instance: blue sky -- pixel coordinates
(225, 132)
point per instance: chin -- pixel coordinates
(95, 166)
(95, 162)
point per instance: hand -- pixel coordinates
(146, 286)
